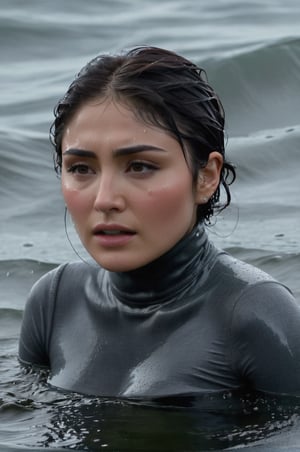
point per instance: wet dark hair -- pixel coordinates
(163, 89)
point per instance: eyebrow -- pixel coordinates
(117, 152)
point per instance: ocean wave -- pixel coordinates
(254, 67)
(267, 155)
(21, 268)
(258, 88)
(17, 277)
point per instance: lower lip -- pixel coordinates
(111, 241)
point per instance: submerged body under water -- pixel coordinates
(34, 414)
(42, 416)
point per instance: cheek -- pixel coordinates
(75, 200)
(170, 201)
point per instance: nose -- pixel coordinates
(109, 195)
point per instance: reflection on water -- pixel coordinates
(32, 414)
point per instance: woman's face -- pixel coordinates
(126, 185)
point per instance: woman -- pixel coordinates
(139, 145)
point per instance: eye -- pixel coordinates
(141, 167)
(79, 168)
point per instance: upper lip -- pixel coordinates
(111, 227)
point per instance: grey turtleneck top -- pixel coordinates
(194, 320)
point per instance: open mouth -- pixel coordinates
(113, 237)
(115, 232)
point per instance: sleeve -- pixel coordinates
(265, 335)
(37, 320)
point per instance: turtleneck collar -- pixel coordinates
(164, 277)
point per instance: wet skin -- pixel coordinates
(127, 186)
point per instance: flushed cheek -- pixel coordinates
(76, 202)
(170, 202)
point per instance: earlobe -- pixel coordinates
(209, 178)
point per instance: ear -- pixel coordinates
(209, 178)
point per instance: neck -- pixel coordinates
(159, 280)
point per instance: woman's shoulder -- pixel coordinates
(242, 271)
(252, 289)
(243, 281)
(67, 274)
